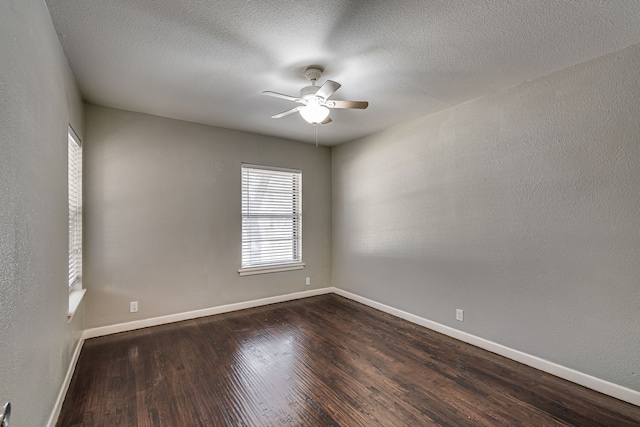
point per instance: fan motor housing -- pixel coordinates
(309, 92)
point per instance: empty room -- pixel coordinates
(339, 213)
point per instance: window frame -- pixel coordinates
(249, 204)
(74, 202)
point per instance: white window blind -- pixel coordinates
(271, 216)
(75, 209)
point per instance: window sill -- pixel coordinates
(270, 269)
(75, 297)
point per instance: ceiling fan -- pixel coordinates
(315, 99)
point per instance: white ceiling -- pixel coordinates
(208, 61)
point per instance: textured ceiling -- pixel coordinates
(208, 61)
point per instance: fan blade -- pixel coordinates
(286, 113)
(281, 95)
(327, 89)
(347, 104)
(326, 121)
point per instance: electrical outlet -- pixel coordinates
(133, 306)
(308, 281)
(460, 315)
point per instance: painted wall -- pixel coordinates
(522, 208)
(163, 220)
(38, 99)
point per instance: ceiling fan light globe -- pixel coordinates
(314, 113)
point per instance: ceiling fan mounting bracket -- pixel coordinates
(313, 73)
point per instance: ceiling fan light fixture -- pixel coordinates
(314, 113)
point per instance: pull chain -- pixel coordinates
(315, 131)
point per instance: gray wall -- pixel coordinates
(522, 208)
(162, 215)
(38, 99)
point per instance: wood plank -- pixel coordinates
(320, 361)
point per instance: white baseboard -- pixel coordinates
(597, 384)
(171, 318)
(65, 385)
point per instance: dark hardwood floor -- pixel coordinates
(321, 361)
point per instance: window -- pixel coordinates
(75, 211)
(271, 219)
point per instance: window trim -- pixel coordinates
(294, 264)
